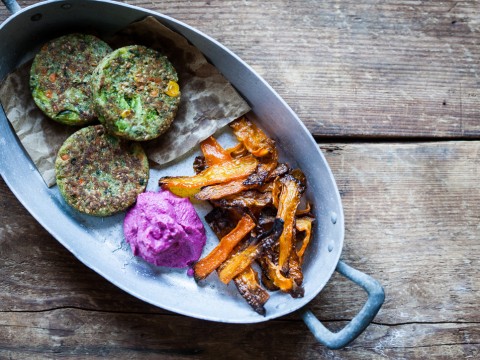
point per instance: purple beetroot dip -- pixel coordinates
(164, 229)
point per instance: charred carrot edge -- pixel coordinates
(304, 224)
(267, 165)
(215, 192)
(295, 268)
(285, 284)
(249, 287)
(240, 261)
(214, 153)
(306, 211)
(220, 253)
(249, 199)
(266, 281)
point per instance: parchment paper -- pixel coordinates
(208, 102)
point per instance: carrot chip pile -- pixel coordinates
(255, 215)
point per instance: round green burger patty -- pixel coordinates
(136, 93)
(60, 77)
(100, 174)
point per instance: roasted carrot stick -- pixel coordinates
(241, 260)
(249, 287)
(254, 139)
(247, 282)
(251, 199)
(220, 253)
(215, 174)
(214, 153)
(288, 203)
(215, 192)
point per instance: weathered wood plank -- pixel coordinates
(370, 69)
(74, 333)
(412, 220)
(412, 215)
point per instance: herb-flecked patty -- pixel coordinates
(100, 174)
(136, 93)
(60, 77)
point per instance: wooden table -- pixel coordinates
(391, 92)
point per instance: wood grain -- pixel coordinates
(414, 211)
(401, 69)
(74, 333)
(412, 215)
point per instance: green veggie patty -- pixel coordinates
(60, 77)
(136, 93)
(100, 174)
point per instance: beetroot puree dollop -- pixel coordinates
(164, 229)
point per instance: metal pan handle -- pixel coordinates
(12, 6)
(355, 327)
